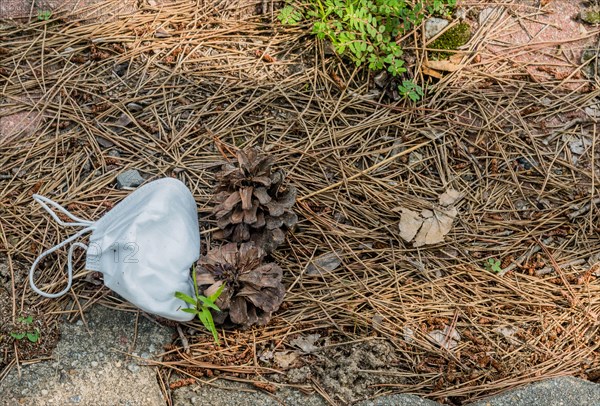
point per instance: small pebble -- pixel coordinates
(434, 26)
(130, 178)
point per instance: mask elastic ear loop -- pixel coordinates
(69, 264)
(44, 202)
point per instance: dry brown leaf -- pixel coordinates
(410, 222)
(450, 196)
(285, 358)
(430, 72)
(306, 343)
(447, 338)
(456, 58)
(435, 228)
(444, 65)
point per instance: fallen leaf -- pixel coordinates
(435, 228)
(578, 145)
(324, 264)
(450, 196)
(430, 226)
(444, 65)
(457, 57)
(285, 358)
(266, 356)
(410, 222)
(431, 72)
(447, 338)
(306, 343)
(426, 213)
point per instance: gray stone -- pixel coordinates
(433, 26)
(553, 392)
(69, 377)
(114, 153)
(129, 179)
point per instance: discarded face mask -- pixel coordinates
(144, 247)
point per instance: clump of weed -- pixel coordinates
(367, 31)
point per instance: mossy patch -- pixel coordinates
(591, 15)
(450, 40)
(592, 64)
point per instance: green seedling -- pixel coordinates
(289, 16)
(493, 265)
(44, 15)
(411, 90)
(32, 336)
(202, 305)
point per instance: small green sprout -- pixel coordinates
(493, 265)
(44, 15)
(411, 90)
(32, 336)
(202, 305)
(289, 15)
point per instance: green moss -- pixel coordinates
(589, 57)
(452, 39)
(590, 15)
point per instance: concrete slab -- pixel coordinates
(90, 367)
(553, 392)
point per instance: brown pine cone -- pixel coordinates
(252, 203)
(253, 290)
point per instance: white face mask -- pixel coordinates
(144, 247)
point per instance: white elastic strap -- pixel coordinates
(44, 202)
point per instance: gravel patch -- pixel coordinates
(89, 366)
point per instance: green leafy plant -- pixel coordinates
(44, 15)
(411, 90)
(441, 6)
(493, 265)
(202, 306)
(32, 335)
(367, 31)
(288, 15)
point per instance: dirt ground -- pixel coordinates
(175, 89)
